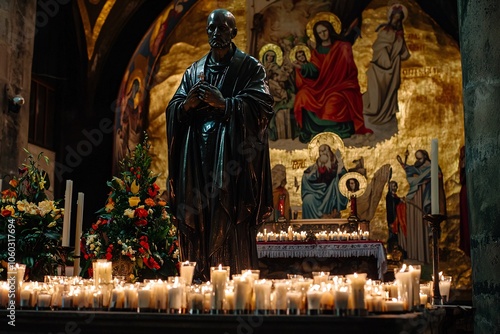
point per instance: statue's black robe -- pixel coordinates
(219, 171)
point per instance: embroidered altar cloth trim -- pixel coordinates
(283, 249)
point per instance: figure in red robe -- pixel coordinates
(328, 93)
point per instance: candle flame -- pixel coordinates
(220, 266)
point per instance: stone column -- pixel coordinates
(480, 51)
(17, 33)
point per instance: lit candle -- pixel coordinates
(314, 296)
(78, 232)
(394, 305)
(243, 289)
(219, 278)
(294, 302)
(403, 280)
(281, 288)
(144, 299)
(357, 283)
(262, 295)
(434, 177)
(187, 271)
(341, 299)
(67, 213)
(195, 301)
(415, 271)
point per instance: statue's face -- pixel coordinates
(220, 30)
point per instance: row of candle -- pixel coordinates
(291, 235)
(246, 292)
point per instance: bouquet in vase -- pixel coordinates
(134, 229)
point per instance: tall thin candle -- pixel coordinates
(434, 177)
(67, 213)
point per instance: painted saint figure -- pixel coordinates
(380, 101)
(418, 203)
(328, 94)
(219, 178)
(321, 197)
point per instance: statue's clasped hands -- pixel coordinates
(202, 91)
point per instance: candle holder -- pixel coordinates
(435, 221)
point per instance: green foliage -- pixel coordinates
(35, 220)
(134, 225)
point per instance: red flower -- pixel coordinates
(144, 244)
(109, 256)
(141, 212)
(141, 250)
(141, 222)
(153, 190)
(6, 213)
(151, 263)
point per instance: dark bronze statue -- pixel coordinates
(219, 172)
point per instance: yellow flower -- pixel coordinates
(134, 187)
(52, 224)
(22, 205)
(45, 207)
(110, 205)
(11, 209)
(134, 201)
(129, 213)
(42, 183)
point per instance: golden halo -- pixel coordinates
(271, 47)
(352, 175)
(323, 16)
(329, 138)
(296, 48)
(394, 6)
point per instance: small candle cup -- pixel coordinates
(444, 287)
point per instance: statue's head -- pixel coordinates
(221, 28)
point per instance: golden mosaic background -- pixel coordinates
(430, 101)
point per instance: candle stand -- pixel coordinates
(435, 221)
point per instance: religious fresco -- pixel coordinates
(132, 112)
(423, 96)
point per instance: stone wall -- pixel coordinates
(17, 33)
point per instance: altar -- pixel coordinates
(278, 258)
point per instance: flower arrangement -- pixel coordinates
(134, 227)
(31, 223)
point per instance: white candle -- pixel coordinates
(219, 278)
(281, 288)
(403, 280)
(144, 298)
(357, 283)
(262, 294)
(394, 305)
(175, 293)
(187, 271)
(67, 213)
(78, 232)
(242, 292)
(294, 301)
(434, 177)
(415, 271)
(44, 300)
(314, 296)
(195, 301)
(341, 298)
